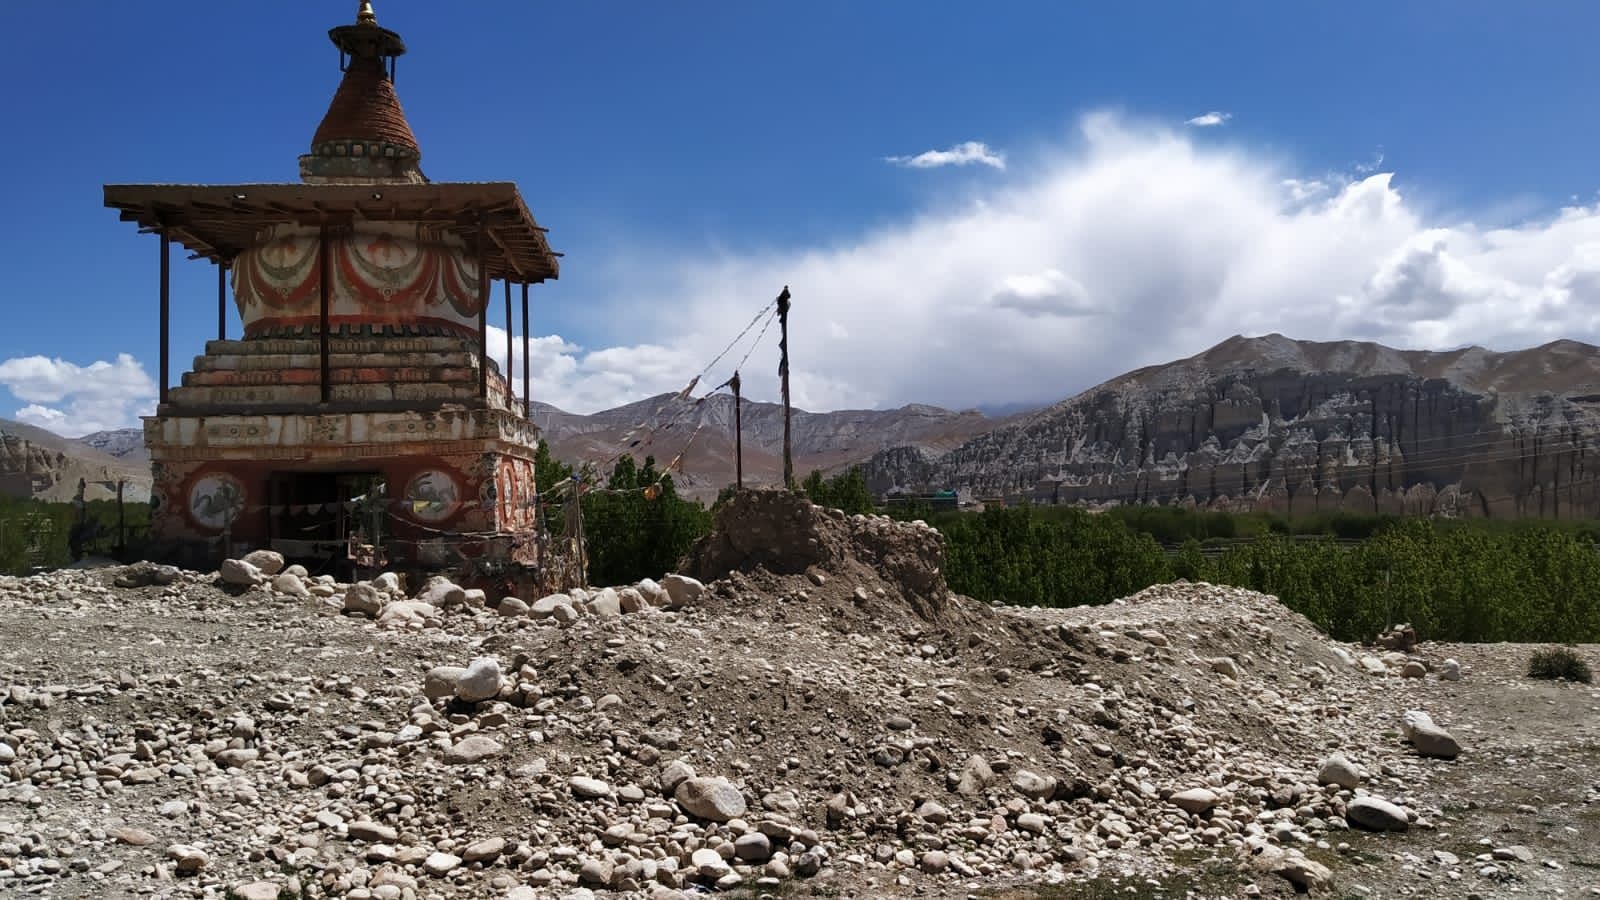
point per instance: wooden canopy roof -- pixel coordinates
(217, 221)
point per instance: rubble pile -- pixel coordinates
(807, 702)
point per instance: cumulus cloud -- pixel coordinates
(964, 154)
(75, 400)
(1127, 244)
(1047, 293)
(1209, 120)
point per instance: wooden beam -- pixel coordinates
(325, 289)
(166, 313)
(483, 317)
(222, 300)
(510, 394)
(525, 395)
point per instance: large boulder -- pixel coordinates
(364, 599)
(239, 573)
(1376, 814)
(681, 591)
(270, 562)
(481, 681)
(1427, 737)
(442, 592)
(713, 799)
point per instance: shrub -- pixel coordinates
(1562, 663)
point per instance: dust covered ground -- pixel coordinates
(822, 719)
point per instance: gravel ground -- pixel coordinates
(822, 718)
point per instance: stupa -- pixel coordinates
(360, 404)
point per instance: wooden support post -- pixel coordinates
(510, 394)
(738, 434)
(783, 374)
(222, 300)
(325, 292)
(483, 311)
(166, 312)
(525, 388)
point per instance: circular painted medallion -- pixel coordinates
(216, 500)
(432, 495)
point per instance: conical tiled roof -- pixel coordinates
(366, 108)
(364, 137)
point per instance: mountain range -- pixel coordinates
(1264, 423)
(1275, 424)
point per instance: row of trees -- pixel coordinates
(34, 533)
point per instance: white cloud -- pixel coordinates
(1173, 244)
(963, 154)
(1209, 120)
(75, 400)
(1048, 293)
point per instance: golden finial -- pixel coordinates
(365, 15)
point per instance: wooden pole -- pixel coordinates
(222, 300)
(325, 291)
(166, 311)
(510, 394)
(483, 312)
(783, 374)
(526, 409)
(738, 435)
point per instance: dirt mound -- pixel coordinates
(782, 533)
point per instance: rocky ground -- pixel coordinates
(815, 716)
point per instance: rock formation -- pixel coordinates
(1274, 424)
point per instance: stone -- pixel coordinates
(1413, 669)
(363, 598)
(654, 594)
(545, 607)
(606, 604)
(1427, 738)
(440, 681)
(1307, 875)
(472, 749)
(1376, 814)
(976, 776)
(374, 832)
(136, 837)
(1450, 670)
(239, 573)
(586, 788)
(596, 872)
(1339, 771)
(186, 859)
(754, 847)
(256, 890)
(1032, 785)
(935, 862)
(631, 600)
(388, 582)
(709, 863)
(481, 681)
(269, 562)
(485, 850)
(1225, 665)
(674, 774)
(1194, 800)
(406, 614)
(511, 606)
(475, 598)
(714, 799)
(440, 863)
(681, 591)
(1031, 822)
(565, 614)
(6, 753)
(1373, 666)
(290, 584)
(442, 592)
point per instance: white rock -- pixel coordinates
(631, 600)
(681, 591)
(439, 863)
(1338, 770)
(545, 607)
(481, 681)
(673, 774)
(239, 573)
(1194, 800)
(270, 562)
(442, 592)
(389, 583)
(1427, 737)
(587, 788)
(512, 606)
(714, 799)
(363, 598)
(1032, 785)
(187, 859)
(606, 604)
(472, 749)
(1450, 670)
(1377, 814)
(290, 584)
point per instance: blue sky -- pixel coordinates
(1419, 173)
